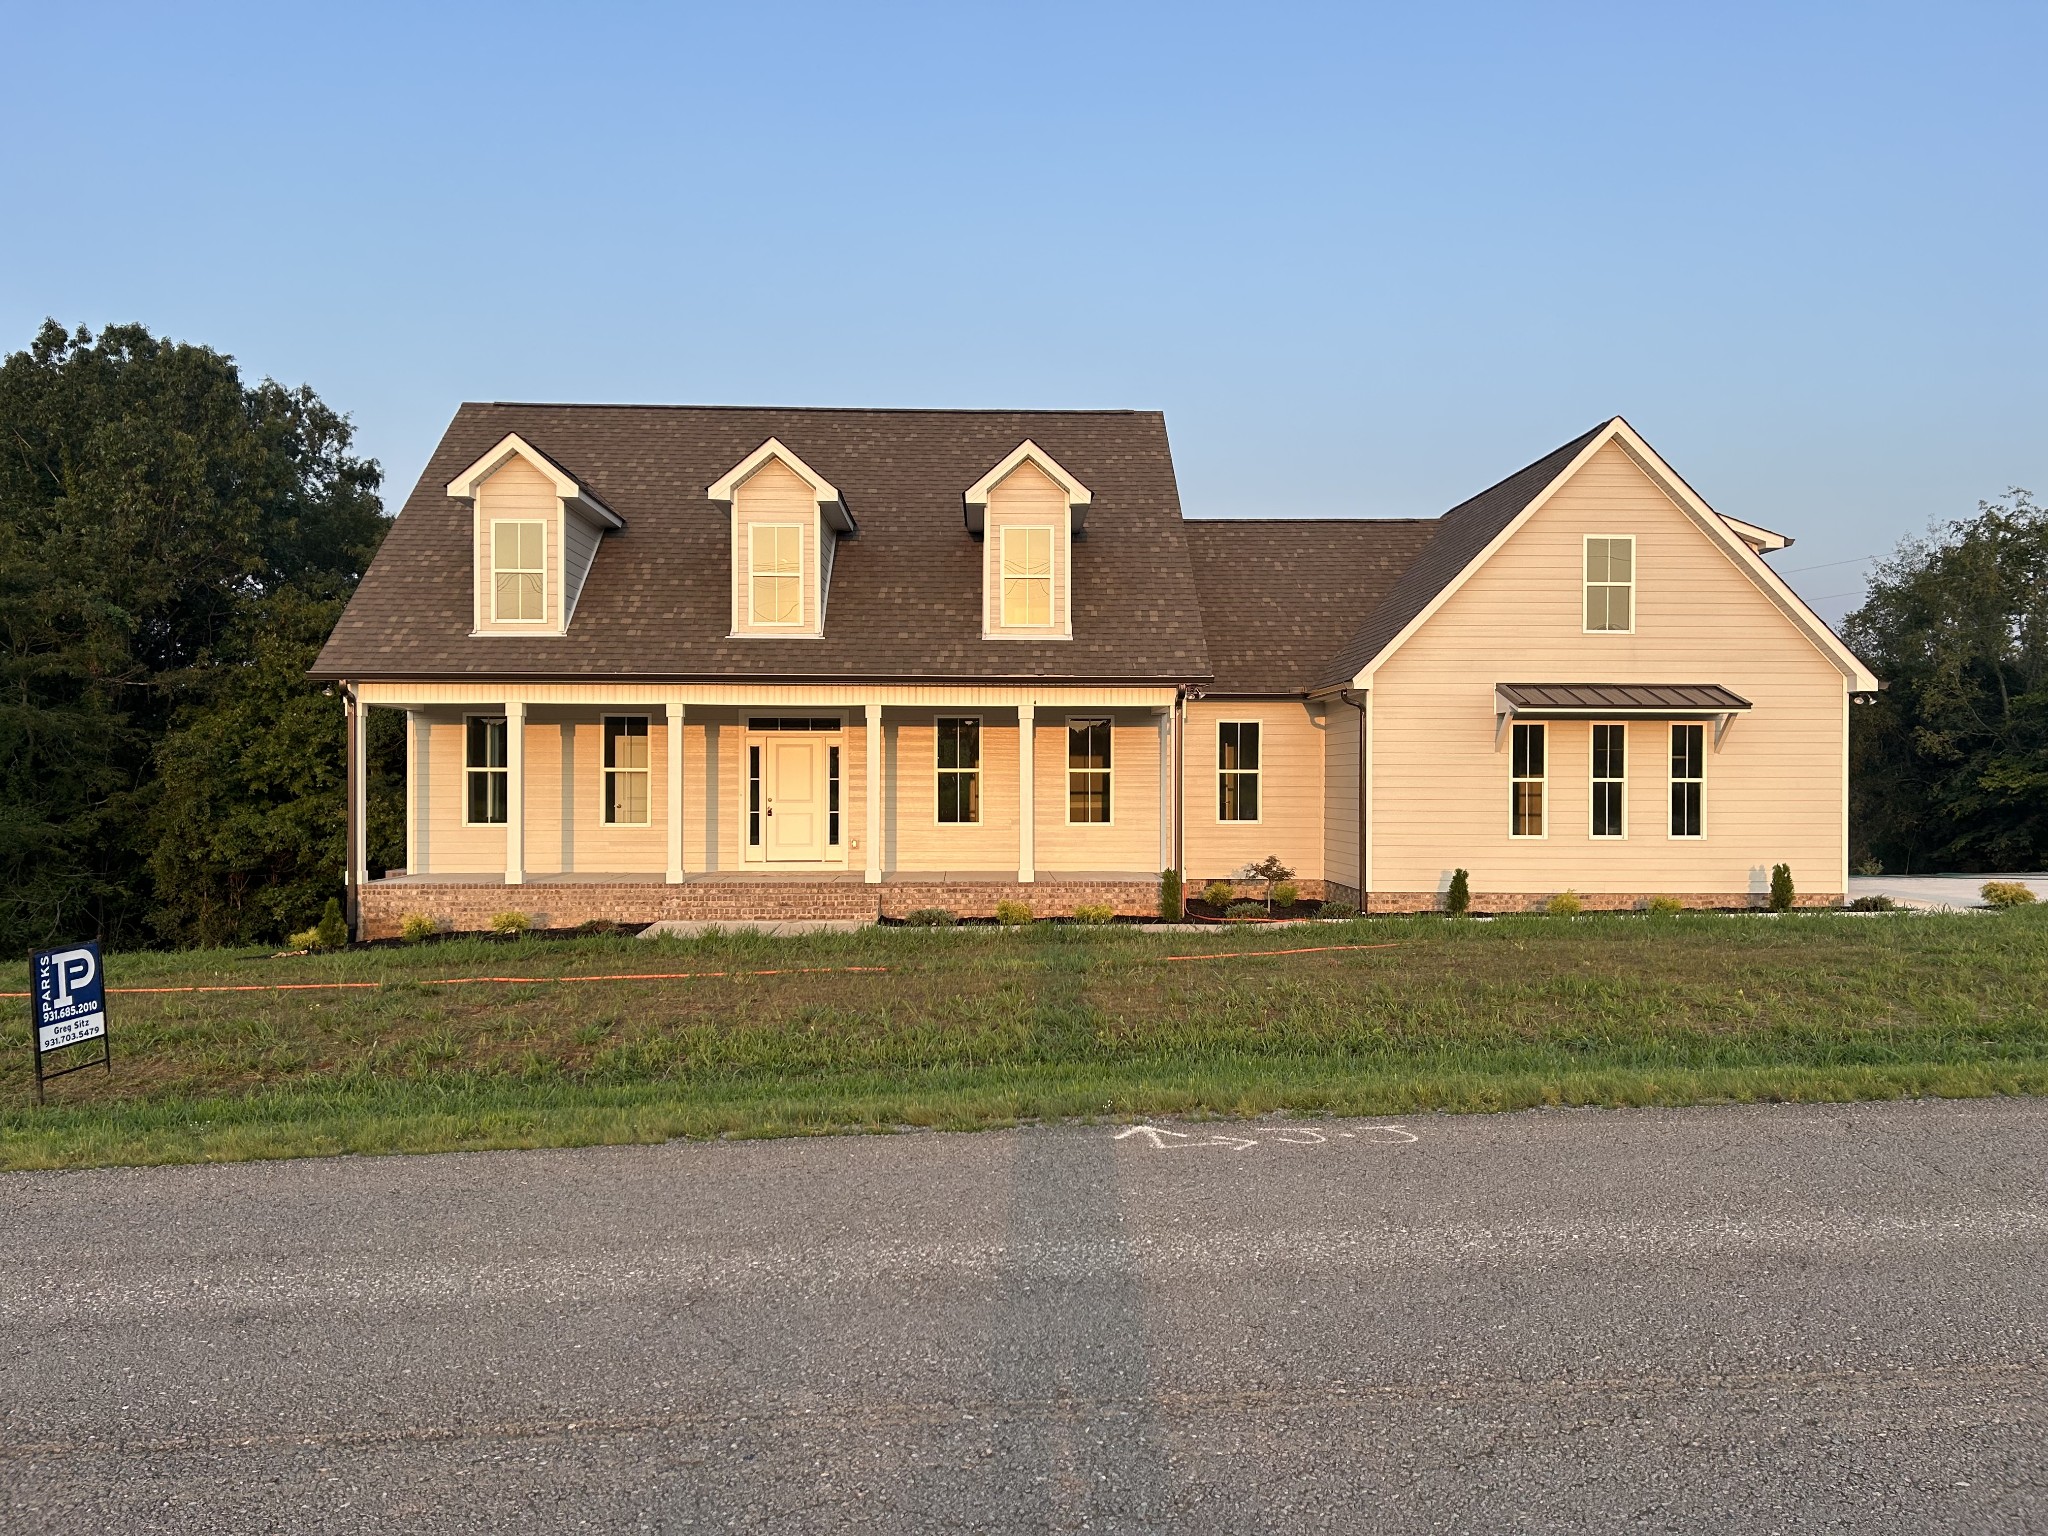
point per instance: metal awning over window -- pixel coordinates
(1616, 701)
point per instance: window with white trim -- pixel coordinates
(832, 796)
(959, 769)
(1088, 771)
(1237, 770)
(1529, 780)
(753, 794)
(486, 771)
(1610, 781)
(1688, 779)
(775, 574)
(1610, 584)
(519, 573)
(626, 771)
(1027, 578)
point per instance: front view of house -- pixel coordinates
(739, 664)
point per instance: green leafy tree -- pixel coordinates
(1950, 764)
(168, 536)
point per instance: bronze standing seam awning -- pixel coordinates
(1616, 701)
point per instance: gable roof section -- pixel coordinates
(906, 590)
(1472, 530)
(1275, 591)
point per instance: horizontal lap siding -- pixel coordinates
(920, 842)
(774, 493)
(1290, 825)
(1130, 841)
(1340, 796)
(519, 492)
(1774, 793)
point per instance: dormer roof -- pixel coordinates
(831, 505)
(976, 498)
(463, 486)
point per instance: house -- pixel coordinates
(743, 664)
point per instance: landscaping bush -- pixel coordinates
(330, 932)
(1012, 914)
(1663, 906)
(417, 927)
(2006, 893)
(1338, 910)
(1170, 903)
(1270, 870)
(1244, 909)
(929, 917)
(1781, 887)
(1094, 912)
(1564, 904)
(1458, 899)
(511, 923)
(1869, 866)
(305, 938)
(1285, 894)
(1218, 893)
(598, 925)
(1873, 904)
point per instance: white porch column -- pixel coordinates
(1027, 810)
(1166, 805)
(874, 794)
(675, 794)
(515, 794)
(358, 786)
(415, 765)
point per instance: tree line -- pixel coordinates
(176, 543)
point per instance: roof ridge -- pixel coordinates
(836, 410)
(1334, 518)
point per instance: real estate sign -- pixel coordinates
(70, 1003)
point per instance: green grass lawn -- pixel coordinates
(979, 1028)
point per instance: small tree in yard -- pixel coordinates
(1781, 887)
(1270, 870)
(1458, 899)
(1171, 907)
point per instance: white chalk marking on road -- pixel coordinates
(1300, 1136)
(1153, 1131)
(1390, 1135)
(1293, 1136)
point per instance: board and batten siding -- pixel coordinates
(517, 491)
(1291, 798)
(1774, 792)
(774, 493)
(1026, 497)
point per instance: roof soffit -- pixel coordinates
(831, 505)
(464, 486)
(975, 499)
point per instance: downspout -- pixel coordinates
(1364, 900)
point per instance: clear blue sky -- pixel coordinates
(1367, 259)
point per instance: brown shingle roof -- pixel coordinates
(1461, 535)
(1278, 594)
(905, 594)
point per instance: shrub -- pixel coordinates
(1285, 894)
(332, 931)
(1873, 904)
(1663, 906)
(1338, 910)
(305, 938)
(1094, 912)
(1170, 903)
(1270, 870)
(513, 923)
(1458, 899)
(2006, 893)
(1869, 864)
(1564, 904)
(929, 917)
(597, 925)
(1218, 893)
(1012, 914)
(1781, 887)
(417, 927)
(1244, 909)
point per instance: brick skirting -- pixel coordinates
(1591, 901)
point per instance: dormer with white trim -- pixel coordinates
(787, 521)
(533, 538)
(1027, 511)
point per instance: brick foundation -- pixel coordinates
(1591, 901)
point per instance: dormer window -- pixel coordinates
(775, 558)
(536, 532)
(786, 522)
(1026, 511)
(519, 571)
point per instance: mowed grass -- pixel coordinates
(963, 1029)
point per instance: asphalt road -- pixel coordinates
(1740, 1320)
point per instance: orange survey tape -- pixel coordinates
(509, 981)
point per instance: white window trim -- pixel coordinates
(1586, 586)
(546, 586)
(1542, 778)
(604, 798)
(1052, 580)
(981, 739)
(1671, 780)
(747, 597)
(1627, 752)
(1108, 773)
(835, 853)
(1258, 773)
(467, 770)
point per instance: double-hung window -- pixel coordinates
(519, 577)
(959, 767)
(1610, 584)
(487, 796)
(1237, 770)
(1688, 776)
(775, 573)
(626, 795)
(1088, 770)
(1528, 778)
(1610, 780)
(1027, 578)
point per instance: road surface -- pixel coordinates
(1764, 1319)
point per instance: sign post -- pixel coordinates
(70, 1007)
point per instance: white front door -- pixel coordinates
(793, 826)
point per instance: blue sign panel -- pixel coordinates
(70, 996)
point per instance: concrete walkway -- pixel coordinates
(1938, 893)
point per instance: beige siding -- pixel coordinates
(1026, 497)
(1129, 842)
(1774, 792)
(517, 491)
(774, 493)
(580, 539)
(915, 838)
(1290, 824)
(1340, 794)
